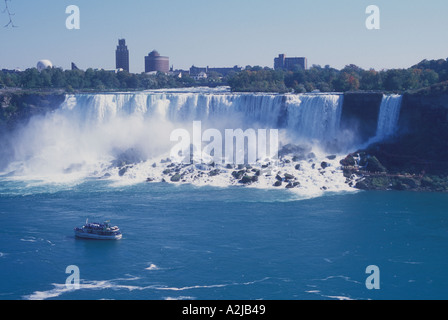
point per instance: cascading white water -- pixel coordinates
(388, 116)
(308, 116)
(174, 107)
(94, 134)
(315, 117)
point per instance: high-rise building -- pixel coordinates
(122, 55)
(284, 63)
(155, 62)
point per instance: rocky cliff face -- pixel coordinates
(360, 114)
(19, 106)
(417, 157)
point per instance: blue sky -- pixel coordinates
(225, 33)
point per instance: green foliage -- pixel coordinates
(380, 183)
(7, 113)
(373, 165)
(437, 183)
(75, 80)
(258, 80)
(350, 78)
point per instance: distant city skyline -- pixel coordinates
(225, 33)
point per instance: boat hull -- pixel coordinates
(85, 235)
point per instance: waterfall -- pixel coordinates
(315, 117)
(174, 107)
(126, 137)
(308, 116)
(388, 116)
(90, 131)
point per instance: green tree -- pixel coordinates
(370, 80)
(58, 78)
(429, 77)
(31, 78)
(393, 80)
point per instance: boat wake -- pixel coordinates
(116, 284)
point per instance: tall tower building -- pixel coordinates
(122, 55)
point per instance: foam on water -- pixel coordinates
(115, 284)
